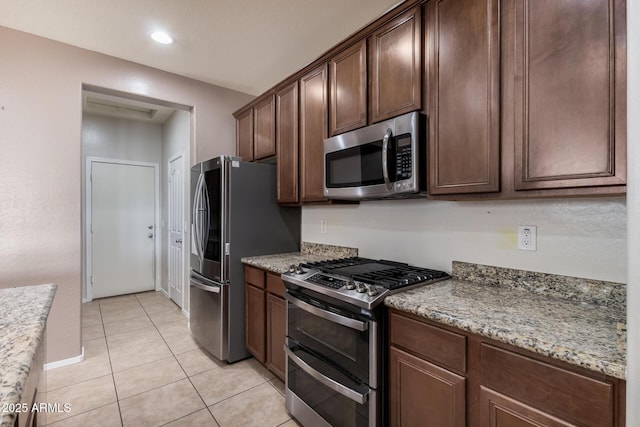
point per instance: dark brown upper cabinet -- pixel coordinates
(395, 52)
(569, 92)
(244, 134)
(264, 129)
(313, 131)
(287, 142)
(348, 89)
(462, 100)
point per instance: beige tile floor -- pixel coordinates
(142, 368)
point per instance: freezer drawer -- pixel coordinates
(208, 317)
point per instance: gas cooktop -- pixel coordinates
(363, 282)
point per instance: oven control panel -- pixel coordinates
(329, 281)
(361, 294)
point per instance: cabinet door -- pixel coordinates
(569, 102)
(423, 394)
(287, 143)
(565, 394)
(463, 72)
(264, 130)
(348, 89)
(501, 411)
(395, 67)
(244, 135)
(254, 328)
(276, 331)
(313, 131)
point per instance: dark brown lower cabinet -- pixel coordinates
(503, 411)
(423, 394)
(254, 327)
(442, 376)
(265, 318)
(276, 330)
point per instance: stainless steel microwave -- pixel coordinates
(383, 160)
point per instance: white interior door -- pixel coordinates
(176, 229)
(123, 229)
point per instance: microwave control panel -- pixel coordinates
(403, 157)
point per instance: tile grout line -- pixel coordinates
(113, 378)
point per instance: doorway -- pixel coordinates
(122, 217)
(126, 128)
(175, 208)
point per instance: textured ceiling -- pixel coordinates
(246, 45)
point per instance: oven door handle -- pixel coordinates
(358, 325)
(326, 381)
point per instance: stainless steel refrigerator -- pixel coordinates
(234, 214)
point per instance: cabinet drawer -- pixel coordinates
(254, 276)
(275, 284)
(440, 346)
(575, 398)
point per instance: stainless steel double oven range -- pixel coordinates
(336, 332)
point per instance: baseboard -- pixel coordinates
(186, 313)
(64, 362)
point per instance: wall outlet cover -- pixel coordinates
(527, 237)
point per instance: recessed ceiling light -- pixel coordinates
(161, 37)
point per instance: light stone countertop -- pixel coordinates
(578, 321)
(23, 317)
(571, 328)
(309, 252)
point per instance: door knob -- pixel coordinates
(150, 227)
(178, 240)
(150, 235)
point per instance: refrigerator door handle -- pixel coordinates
(207, 215)
(197, 222)
(206, 288)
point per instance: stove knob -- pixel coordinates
(350, 285)
(372, 291)
(360, 288)
(292, 268)
(300, 270)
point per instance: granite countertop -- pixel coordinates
(23, 316)
(309, 252)
(578, 321)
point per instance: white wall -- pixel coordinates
(175, 140)
(576, 237)
(633, 201)
(121, 139)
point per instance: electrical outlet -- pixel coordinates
(323, 226)
(527, 235)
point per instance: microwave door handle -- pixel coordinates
(328, 382)
(327, 315)
(385, 163)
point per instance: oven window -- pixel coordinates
(336, 409)
(347, 347)
(357, 166)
